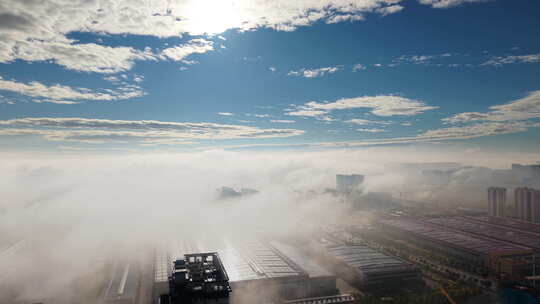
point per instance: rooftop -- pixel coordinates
(453, 238)
(508, 222)
(514, 236)
(368, 260)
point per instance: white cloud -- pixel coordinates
(88, 57)
(194, 46)
(448, 3)
(111, 79)
(138, 131)
(138, 78)
(437, 135)
(382, 105)
(282, 121)
(344, 17)
(358, 67)
(55, 101)
(521, 109)
(313, 73)
(225, 114)
(502, 60)
(272, 69)
(37, 30)
(64, 94)
(363, 122)
(371, 130)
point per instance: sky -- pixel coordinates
(139, 75)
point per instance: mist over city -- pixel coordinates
(272, 152)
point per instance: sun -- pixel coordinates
(211, 16)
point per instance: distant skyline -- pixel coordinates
(203, 74)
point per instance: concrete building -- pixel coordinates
(527, 204)
(348, 183)
(496, 201)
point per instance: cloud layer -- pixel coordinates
(61, 94)
(521, 109)
(133, 131)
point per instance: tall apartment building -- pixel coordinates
(496, 201)
(527, 204)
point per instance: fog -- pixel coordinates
(78, 212)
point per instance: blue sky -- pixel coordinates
(270, 74)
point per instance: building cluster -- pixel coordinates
(368, 268)
(526, 203)
(505, 246)
(269, 270)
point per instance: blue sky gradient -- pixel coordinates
(254, 85)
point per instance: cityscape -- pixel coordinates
(384, 249)
(269, 152)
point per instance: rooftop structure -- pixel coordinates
(337, 299)
(197, 277)
(371, 267)
(268, 267)
(497, 232)
(507, 222)
(473, 244)
(503, 257)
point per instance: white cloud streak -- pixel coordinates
(64, 94)
(313, 73)
(504, 60)
(381, 105)
(520, 109)
(364, 122)
(448, 3)
(194, 46)
(132, 131)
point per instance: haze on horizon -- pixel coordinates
(121, 120)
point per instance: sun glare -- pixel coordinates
(211, 16)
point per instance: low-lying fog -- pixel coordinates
(76, 212)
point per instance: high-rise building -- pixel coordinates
(496, 201)
(527, 204)
(347, 183)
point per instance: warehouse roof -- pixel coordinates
(507, 222)
(465, 241)
(488, 230)
(368, 260)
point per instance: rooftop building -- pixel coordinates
(497, 232)
(507, 222)
(275, 269)
(476, 250)
(370, 267)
